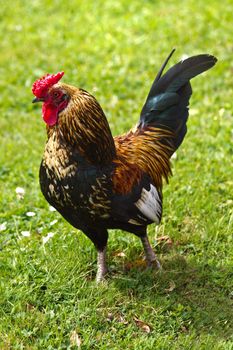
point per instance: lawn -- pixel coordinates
(48, 297)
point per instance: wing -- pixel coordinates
(141, 206)
(137, 178)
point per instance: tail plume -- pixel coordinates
(167, 104)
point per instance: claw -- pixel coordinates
(154, 264)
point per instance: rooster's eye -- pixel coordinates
(56, 94)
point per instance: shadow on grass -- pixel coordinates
(199, 296)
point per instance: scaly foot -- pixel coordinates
(152, 260)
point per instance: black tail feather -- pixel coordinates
(160, 72)
(168, 100)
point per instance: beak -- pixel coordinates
(37, 99)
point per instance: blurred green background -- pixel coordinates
(114, 49)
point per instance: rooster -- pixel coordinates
(97, 182)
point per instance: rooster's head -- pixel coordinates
(77, 116)
(54, 96)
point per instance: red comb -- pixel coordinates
(40, 86)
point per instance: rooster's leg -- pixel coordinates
(101, 265)
(100, 239)
(150, 255)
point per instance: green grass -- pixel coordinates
(114, 49)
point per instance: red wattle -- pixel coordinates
(49, 113)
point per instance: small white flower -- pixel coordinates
(3, 226)
(53, 222)
(51, 208)
(30, 213)
(20, 192)
(25, 233)
(47, 238)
